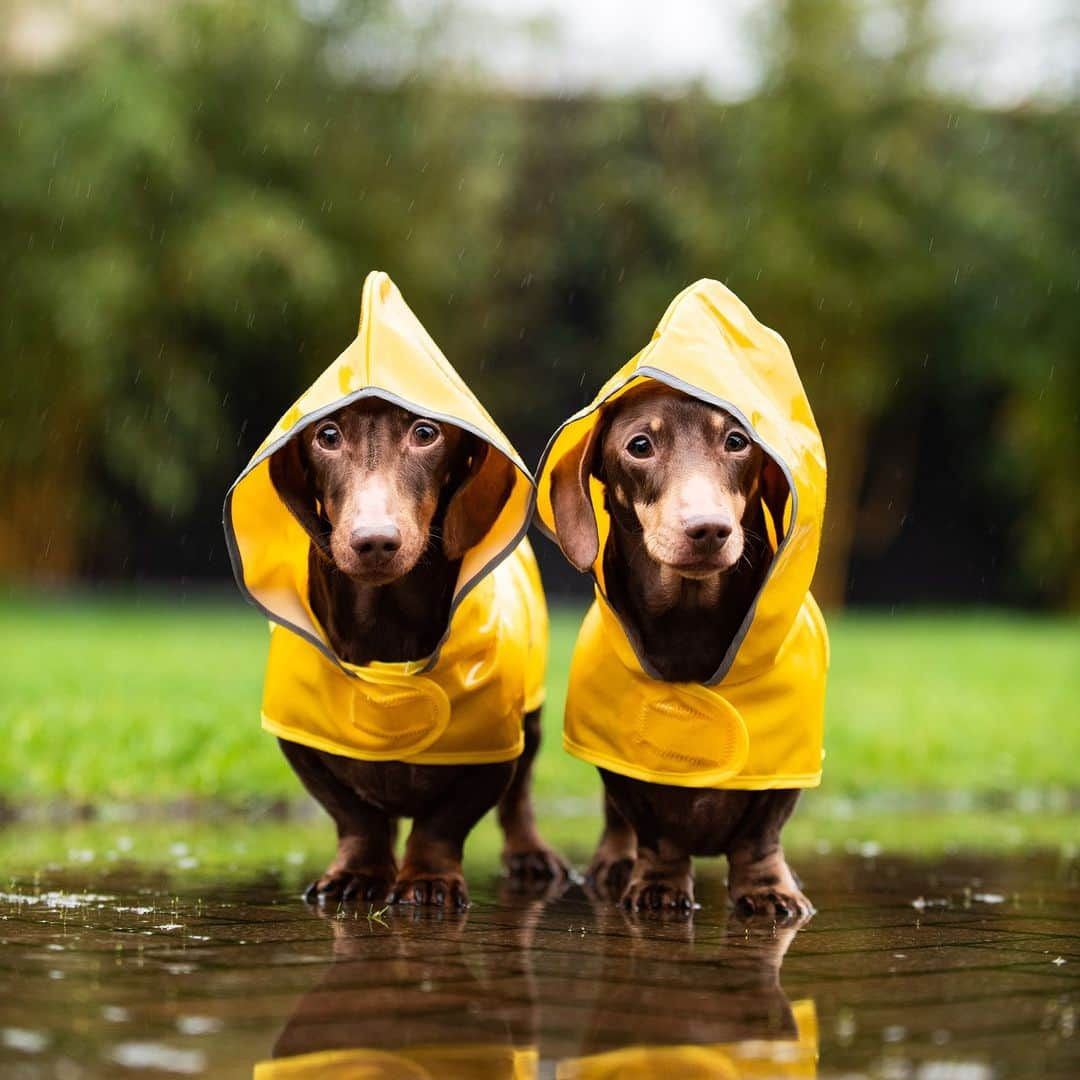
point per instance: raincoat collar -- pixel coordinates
(395, 359)
(710, 346)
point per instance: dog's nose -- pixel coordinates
(377, 541)
(707, 527)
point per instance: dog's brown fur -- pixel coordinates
(686, 555)
(391, 502)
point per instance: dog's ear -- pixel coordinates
(774, 493)
(478, 501)
(571, 502)
(290, 477)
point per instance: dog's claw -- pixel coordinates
(328, 890)
(363, 887)
(610, 878)
(435, 890)
(538, 864)
(658, 896)
(769, 903)
(346, 886)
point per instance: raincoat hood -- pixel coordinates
(493, 652)
(757, 722)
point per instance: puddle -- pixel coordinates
(966, 966)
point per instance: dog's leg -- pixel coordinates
(431, 869)
(525, 855)
(610, 868)
(643, 815)
(662, 877)
(760, 880)
(364, 867)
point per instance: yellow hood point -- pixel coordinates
(463, 703)
(758, 722)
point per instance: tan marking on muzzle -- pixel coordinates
(371, 503)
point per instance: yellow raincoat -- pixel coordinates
(462, 704)
(758, 722)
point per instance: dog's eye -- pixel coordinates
(639, 447)
(735, 442)
(328, 437)
(424, 433)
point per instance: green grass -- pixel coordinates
(125, 700)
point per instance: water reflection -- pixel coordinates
(679, 998)
(410, 994)
(913, 967)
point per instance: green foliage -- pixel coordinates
(193, 196)
(148, 701)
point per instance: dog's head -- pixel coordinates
(374, 485)
(683, 474)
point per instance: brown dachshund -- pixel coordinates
(402, 498)
(685, 557)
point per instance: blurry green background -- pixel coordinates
(193, 191)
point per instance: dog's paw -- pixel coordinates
(655, 893)
(539, 863)
(434, 890)
(787, 905)
(349, 885)
(609, 875)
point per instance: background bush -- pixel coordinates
(192, 196)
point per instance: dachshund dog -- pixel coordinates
(686, 555)
(391, 501)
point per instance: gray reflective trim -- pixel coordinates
(238, 574)
(307, 420)
(676, 383)
(579, 415)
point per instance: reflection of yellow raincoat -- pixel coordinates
(495, 1062)
(465, 702)
(793, 1059)
(789, 1058)
(758, 722)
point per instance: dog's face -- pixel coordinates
(374, 485)
(680, 472)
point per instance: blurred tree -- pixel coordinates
(192, 195)
(191, 199)
(913, 248)
(834, 251)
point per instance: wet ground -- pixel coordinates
(965, 967)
